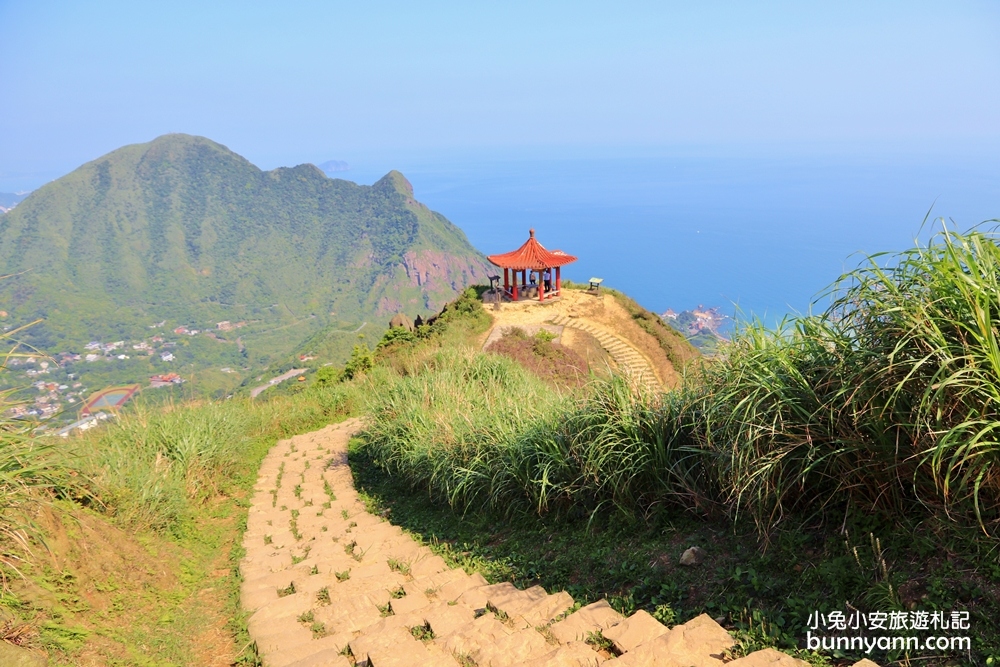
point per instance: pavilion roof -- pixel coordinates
(531, 255)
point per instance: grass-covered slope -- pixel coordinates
(122, 547)
(678, 350)
(859, 442)
(889, 401)
(856, 442)
(182, 229)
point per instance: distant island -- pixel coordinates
(702, 326)
(9, 200)
(334, 166)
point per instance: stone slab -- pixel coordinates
(409, 603)
(455, 588)
(364, 644)
(572, 654)
(444, 618)
(483, 632)
(767, 658)
(578, 625)
(511, 649)
(637, 629)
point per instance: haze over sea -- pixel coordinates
(770, 142)
(762, 231)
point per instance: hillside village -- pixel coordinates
(60, 379)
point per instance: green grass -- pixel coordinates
(764, 595)
(34, 475)
(482, 432)
(455, 430)
(886, 402)
(153, 466)
(877, 417)
(847, 457)
(139, 521)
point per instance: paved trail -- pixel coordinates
(273, 381)
(330, 585)
(629, 360)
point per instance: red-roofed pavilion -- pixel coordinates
(532, 258)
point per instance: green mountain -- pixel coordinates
(182, 230)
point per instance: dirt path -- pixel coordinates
(329, 584)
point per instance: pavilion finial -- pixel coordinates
(531, 233)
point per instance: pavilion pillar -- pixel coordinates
(541, 286)
(506, 282)
(513, 275)
(558, 281)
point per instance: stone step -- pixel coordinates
(409, 603)
(533, 605)
(598, 616)
(362, 584)
(475, 637)
(512, 649)
(768, 657)
(624, 355)
(444, 618)
(637, 629)
(365, 643)
(701, 642)
(330, 657)
(319, 652)
(453, 590)
(572, 654)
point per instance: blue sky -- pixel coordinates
(285, 83)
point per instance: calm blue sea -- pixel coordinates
(762, 234)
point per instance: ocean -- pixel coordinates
(758, 235)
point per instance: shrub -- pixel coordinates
(327, 376)
(396, 335)
(362, 360)
(467, 307)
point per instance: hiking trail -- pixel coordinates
(328, 584)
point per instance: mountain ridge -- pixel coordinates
(185, 230)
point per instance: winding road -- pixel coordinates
(273, 381)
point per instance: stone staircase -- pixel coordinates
(328, 584)
(629, 360)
